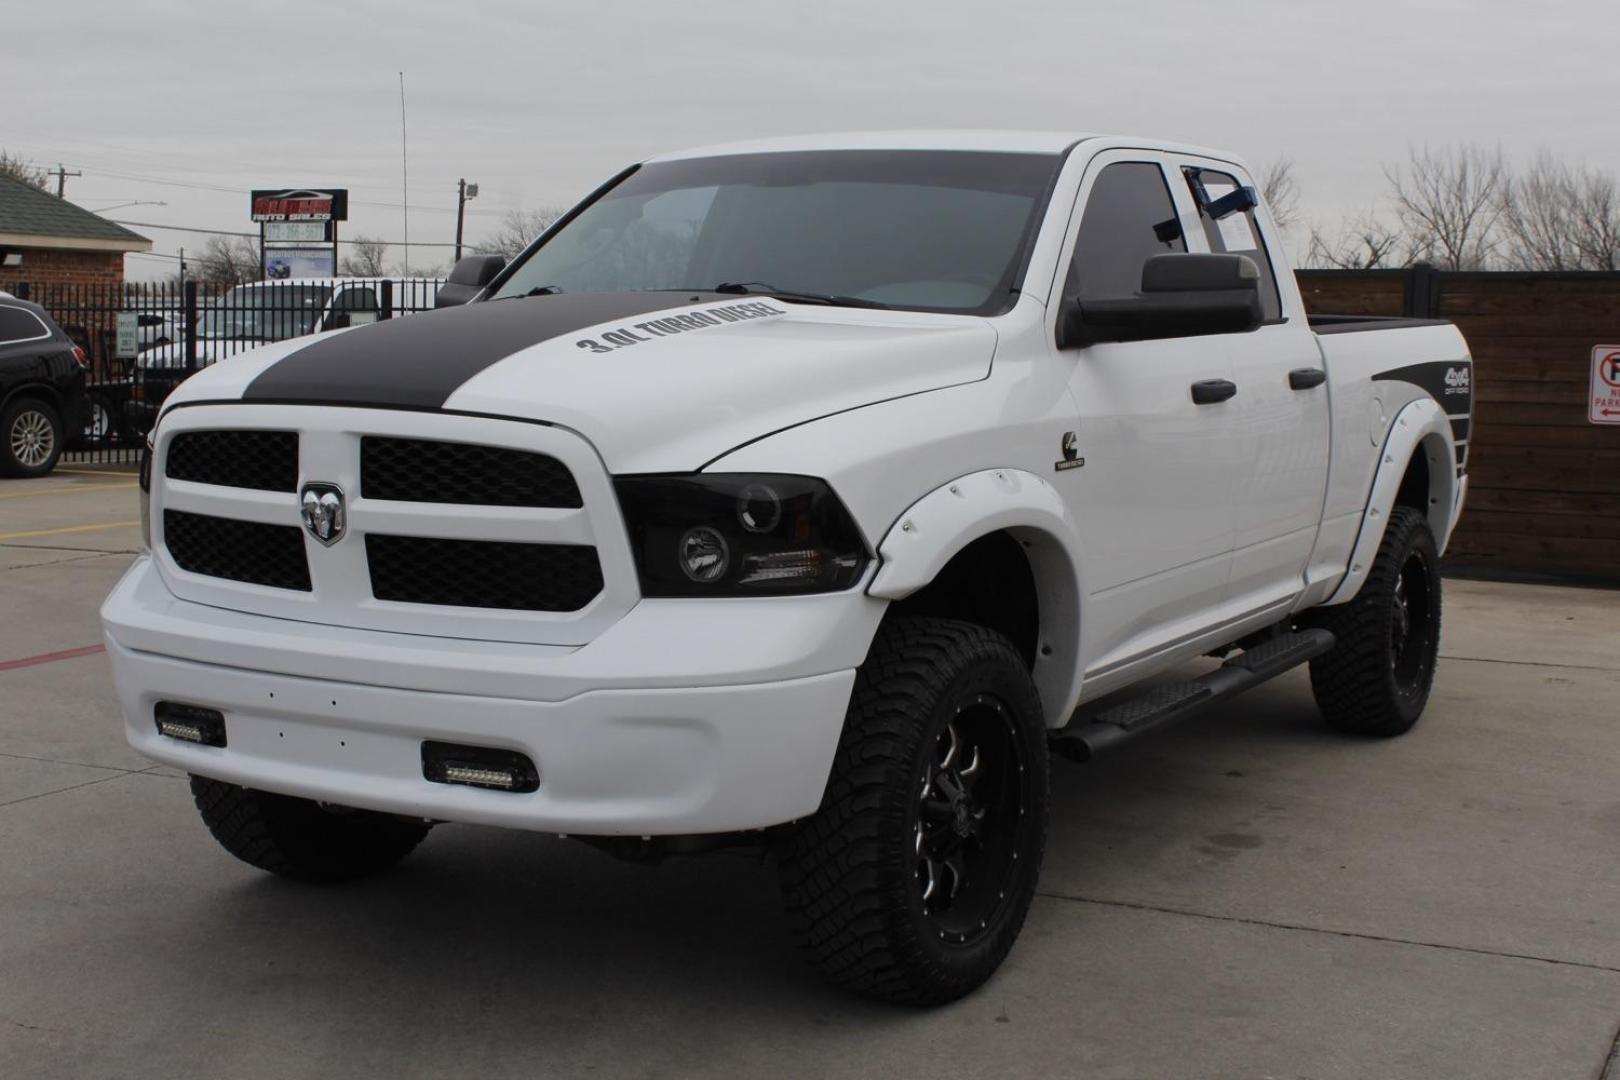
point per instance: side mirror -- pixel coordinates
(467, 279)
(1181, 296)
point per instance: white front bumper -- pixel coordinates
(684, 717)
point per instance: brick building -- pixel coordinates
(46, 240)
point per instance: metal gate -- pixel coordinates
(179, 328)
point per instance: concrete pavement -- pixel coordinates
(1247, 896)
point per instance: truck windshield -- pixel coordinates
(264, 312)
(922, 230)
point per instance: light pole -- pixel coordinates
(464, 191)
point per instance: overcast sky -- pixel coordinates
(538, 101)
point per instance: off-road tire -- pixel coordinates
(851, 874)
(1365, 684)
(301, 838)
(38, 417)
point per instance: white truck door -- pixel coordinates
(1281, 408)
(1153, 500)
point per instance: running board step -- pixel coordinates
(1164, 705)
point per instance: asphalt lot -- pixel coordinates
(1248, 896)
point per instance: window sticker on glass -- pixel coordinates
(1236, 234)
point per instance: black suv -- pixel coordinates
(42, 395)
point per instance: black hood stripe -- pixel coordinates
(417, 362)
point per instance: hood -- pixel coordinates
(654, 386)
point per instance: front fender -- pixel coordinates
(1422, 427)
(940, 524)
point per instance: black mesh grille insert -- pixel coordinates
(482, 573)
(240, 550)
(267, 460)
(419, 470)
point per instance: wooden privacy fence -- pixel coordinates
(1544, 481)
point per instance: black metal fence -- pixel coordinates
(142, 339)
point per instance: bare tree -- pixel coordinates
(17, 167)
(1555, 217)
(517, 228)
(1281, 191)
(227, 260)
(1448, 202)
(1361, 243)
(1597, 217)
(366, 257)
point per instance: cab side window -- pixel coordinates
(1129, 216)
(1236, 232)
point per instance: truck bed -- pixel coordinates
(1352, 324)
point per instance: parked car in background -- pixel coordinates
(42, 375)
(154, 328)
(261, 312)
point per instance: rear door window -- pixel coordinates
(1129, 217)
(1235, 232)
(19, 324)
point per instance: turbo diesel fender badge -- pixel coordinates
(625, 336)
(1071, 453)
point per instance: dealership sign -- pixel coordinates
(297, 232)
(301, 204)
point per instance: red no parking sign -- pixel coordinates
(1604, 407)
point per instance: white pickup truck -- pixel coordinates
(803, 494)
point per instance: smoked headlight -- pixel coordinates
(739, 534)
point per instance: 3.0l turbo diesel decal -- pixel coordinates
(623, 337)
(1451, 383)
(418, 362)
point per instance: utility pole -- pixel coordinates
(464, 191)
(61, 175)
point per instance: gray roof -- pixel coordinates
(25, 210)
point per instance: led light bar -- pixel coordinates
(457, 773)
(190, 723)
(479, 766)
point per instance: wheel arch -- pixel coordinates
(45, 391)
(1416, 468)
(997, 548)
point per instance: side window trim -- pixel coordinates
(1099, 165)
(1260, 227)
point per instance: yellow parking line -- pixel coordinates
(68, 490)
(96, 472)
(69, 529)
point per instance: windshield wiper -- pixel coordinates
(762, 288)
(538, 290)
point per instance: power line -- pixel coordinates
(147, 178)
(255, 236)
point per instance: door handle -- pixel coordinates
(1303, 378)
(1210, 391)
